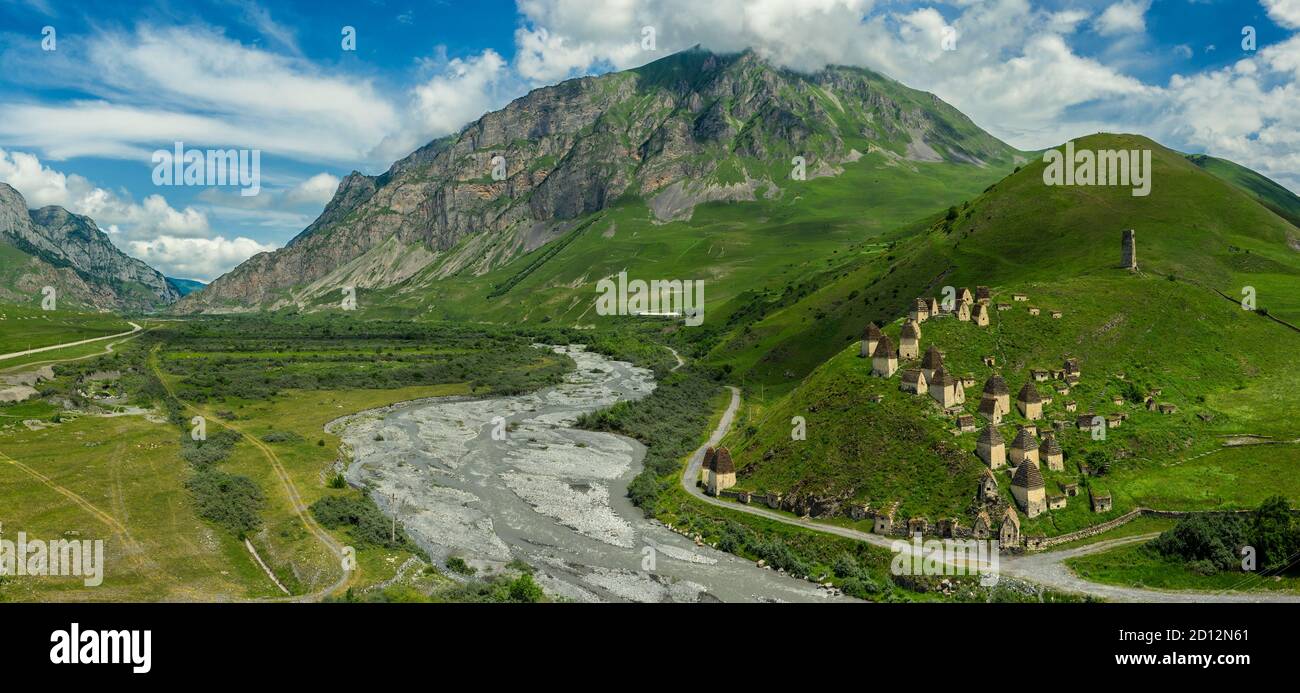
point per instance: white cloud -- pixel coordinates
(1285, 12)
(1244, 112)
(196, 258)
(159, 85)
(461, 93)
(1124, 17)
(43, 186)
(316, 190)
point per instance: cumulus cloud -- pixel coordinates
(42, 186)
(455, 92)
(1124, 17)
(1285, 12)
(316, 190)
(196, 258)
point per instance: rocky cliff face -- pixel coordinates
(53, 247)
(690, 128)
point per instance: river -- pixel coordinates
(543, 492)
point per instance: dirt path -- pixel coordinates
(133, 551)
(108, 349)
(286, 482)
(677, 356)
(28, 352)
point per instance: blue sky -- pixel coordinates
(79, 123)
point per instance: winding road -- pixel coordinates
(28, 352)
(1045, 568)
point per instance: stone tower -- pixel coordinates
(1130, 250)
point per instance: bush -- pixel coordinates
(456, 564)
(363, 520)
(1205, 540)
(281, 437)
(230, 501)
(205, 453)
(1273, 533)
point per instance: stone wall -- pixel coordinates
(1040, 543)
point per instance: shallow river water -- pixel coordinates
(548, 494)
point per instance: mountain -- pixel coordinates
(185, 287)
(1174, 330)
(690, 130)
(1283, 202)
(53, 247)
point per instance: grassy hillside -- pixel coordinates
(1168, 327)
(1270, 194)
(740, 250)
(29, 327)
(1227, 371)
(1193, 225)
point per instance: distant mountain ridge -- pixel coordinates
(54, 247)
(690, 128)
(185, 287)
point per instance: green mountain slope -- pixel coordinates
(1166, 328)
(1283, 202)
(1193, 225)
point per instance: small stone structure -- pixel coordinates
(1100, 501)
(914, 382)
(1050, 454)
(1029, 490)
(723, 474)
(909, 341)
(1023, 448)
(884, 361)
(990, 410)
(931, 362)
(920, 311)
(1009, 532)
(885, 520)
(991, 448)
(870, 338)
(1128, 249)
(1029, 402)
(988, 491)
(945, 389)
(983, 295)
(962, 310)
(996, 389)
(982, 527)
(980, 316)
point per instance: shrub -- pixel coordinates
(363, 520)
(230, 501)
(1205, 540)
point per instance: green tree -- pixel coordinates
(1273, 533)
